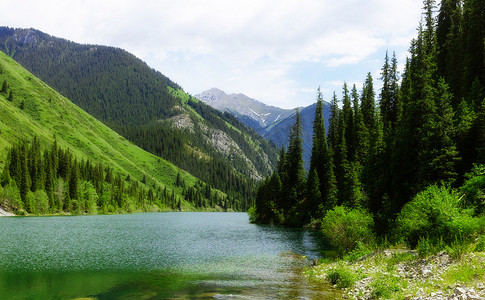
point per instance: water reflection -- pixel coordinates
(154, 256)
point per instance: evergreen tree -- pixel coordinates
(4, 87)
(25, 177)
(360, 132)
(449, 37)
(348, 122)
(333, 126)
(368, 103)
(389, 97)
(314, 203)
(74, 181)
(295, 171)
(321, 164)
(474, 54)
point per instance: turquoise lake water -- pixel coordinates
(155, 256)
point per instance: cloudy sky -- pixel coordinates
(277, 51)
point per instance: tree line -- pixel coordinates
(427, 127)
(51, 181)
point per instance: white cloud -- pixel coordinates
(240, 46)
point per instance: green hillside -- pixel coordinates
(149, 109)
(28, 108)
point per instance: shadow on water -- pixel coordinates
(156, 256)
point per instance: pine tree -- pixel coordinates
(74, 181)
(389, 96)
(314, 203)
(294, 166)
(25, 178)
(368, 103)
(348, 122)
(319, 164)
(333, 125)
(474, 54)
(49, 179)
(360, 132)
(449, 36)
(4, 87)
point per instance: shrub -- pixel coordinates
(41, 202)
(434, 214)
(458, 249)
(342, 277)
(480, 245)
(10, 198)
(427, 247)
(474, 189)
(359, 251)
(384, 286)
(345, 228)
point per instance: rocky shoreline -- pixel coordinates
(4, 213)
(403, 275)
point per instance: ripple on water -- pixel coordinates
(161, 255)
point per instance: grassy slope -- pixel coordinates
(48, 114)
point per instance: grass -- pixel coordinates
(342, 277)
(386, 286)
(49, 115)
(391, 274)
(469, 271)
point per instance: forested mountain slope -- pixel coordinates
(35, 119)
(147, 108)
(273, 123)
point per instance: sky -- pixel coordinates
(276, 51)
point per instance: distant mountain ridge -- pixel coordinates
(250, 111)
(273, 123)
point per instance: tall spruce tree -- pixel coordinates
(360, 132)
(321, 166)
(368, 103)
(295, 171)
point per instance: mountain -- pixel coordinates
(271, 122)
(29, 108)
(147, 108)
(251, 112)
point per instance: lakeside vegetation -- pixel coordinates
(407, 169)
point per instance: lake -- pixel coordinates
(155, 256)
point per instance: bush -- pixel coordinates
(10, 199)
(480, 245)
(426, 247)
(435, 214)
(345, 229)
(384, 286)
(341, 277)
(474, 189)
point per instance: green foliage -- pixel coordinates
(359, 251)
(472, 270)
(427, 247)
(10, 198)
(385, 286)
(473, 189)
(347, 228)
(480, 244)
(457, 250)
(435, 214)
(342, 277)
